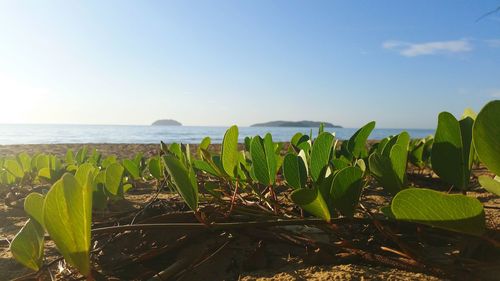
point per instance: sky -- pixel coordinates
(218, 63)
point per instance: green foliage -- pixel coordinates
(295, 171)
(490, 184)
(452, 212)
(388, 163)
(27, 246)
(452, 151)
(357, 143)
(205, 143)
(264, 163)
(346, 189)
(14, 168)
(311, 201)
(183, 179)
(420, 151)
(320, 154)
(486, 134)
(229, 154)
(25, 161)
(132, 168)
(154, 167)
(114, 179)
(67, 218)
(33, 206)
(326, 182)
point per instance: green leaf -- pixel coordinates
(357, 143)
(311, 201)
(99, 198)
(83, 172)
(229, 153)
(341, 162)
(184, 181)
(25, 161)
(108, 161)
(469, 112)
(205, 167)
(346, 190)
(468, 149)
(14, 168)
(205, 143)
(45, 173)
(132, 169)
(33, 206)
(114, 174)
(486, 134)
(176, 149)
(70, 157)
(42, 161)
(260, 166)
(399, 159)
(382, 170)
(138, 158)
(27, 246)
(320, 155)
(81, 155)
(294, 171)
(492, 185)
(447, 152)
(454, 212)
(271, 159)
(154, 167)
(67, 214)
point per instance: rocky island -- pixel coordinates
(302, 124)
(166, 122)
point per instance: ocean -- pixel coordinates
(49, 134)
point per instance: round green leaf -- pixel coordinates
(320, 154)
(260, 166)
(27, 246)
(447, 151)
(294, 171)
(33, 206)
(454, 212)
(67, 215)
(229, 153)
(357, 143)
(492, 185)
(346, 189)
(311, 201)
(114, 174)
(132, 168)
(486, 134)
(14, 168)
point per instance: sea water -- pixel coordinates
(48, 134)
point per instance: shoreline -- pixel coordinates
(121, 150)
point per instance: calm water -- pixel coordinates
(46, 134)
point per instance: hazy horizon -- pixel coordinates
(195, 125)
(220, 63)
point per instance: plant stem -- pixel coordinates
(227, 225)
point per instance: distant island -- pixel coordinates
(306, 124)
(166, 122)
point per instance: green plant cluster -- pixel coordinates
(325, 178)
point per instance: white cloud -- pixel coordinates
(408, 49)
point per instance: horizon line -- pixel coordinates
(220, 126)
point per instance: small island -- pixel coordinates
(166, 122)
(303, 124)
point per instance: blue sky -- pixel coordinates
(242, 62)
